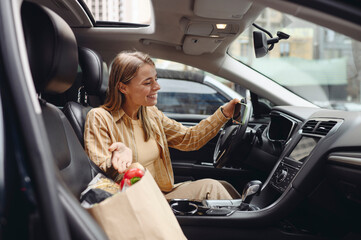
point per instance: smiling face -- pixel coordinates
(142, 89)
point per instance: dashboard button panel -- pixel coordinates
(283, 176)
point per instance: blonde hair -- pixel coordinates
(124, 68)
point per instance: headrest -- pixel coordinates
(95, 72)
(52, 49)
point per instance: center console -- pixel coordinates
(292, 162)
(186, 207)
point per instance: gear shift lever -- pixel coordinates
(249, 191)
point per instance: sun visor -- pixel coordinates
(194, 45)
(225, 9)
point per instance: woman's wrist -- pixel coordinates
(224, 113)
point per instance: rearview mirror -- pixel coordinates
(260, 44)
(260, 41)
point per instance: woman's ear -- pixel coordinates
(122, 88)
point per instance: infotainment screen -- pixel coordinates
(303, 148)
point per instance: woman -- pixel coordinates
(129, 128)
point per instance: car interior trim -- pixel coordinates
(24, 58)
(346, 158)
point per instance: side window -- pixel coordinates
(186, 97)
(188, 90)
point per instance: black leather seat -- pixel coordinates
(95, 81)
(53, 58)
(95, 77)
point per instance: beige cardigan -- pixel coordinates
(103, 128)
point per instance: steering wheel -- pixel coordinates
(232, 135)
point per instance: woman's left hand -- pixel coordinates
(228, 109)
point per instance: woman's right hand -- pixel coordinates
(228, 108)
(121, 156)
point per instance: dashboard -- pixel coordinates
(301, 145)
(312, 182)
(313, 142)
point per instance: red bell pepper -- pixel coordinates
(131, 176)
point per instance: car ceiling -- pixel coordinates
(188, 26)
(181, 31)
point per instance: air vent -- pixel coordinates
(309, 126)
(324, 127)
(318, 127)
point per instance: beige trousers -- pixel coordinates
(203, 189)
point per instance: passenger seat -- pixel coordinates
(95, 81)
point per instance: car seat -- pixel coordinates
(95, 79)
(95, 76)
(53, 58)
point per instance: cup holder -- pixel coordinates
(183, 207)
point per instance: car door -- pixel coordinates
(29, 202)
(189, 101)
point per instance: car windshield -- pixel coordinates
(316, 63)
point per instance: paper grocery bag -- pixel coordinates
(140, 212)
